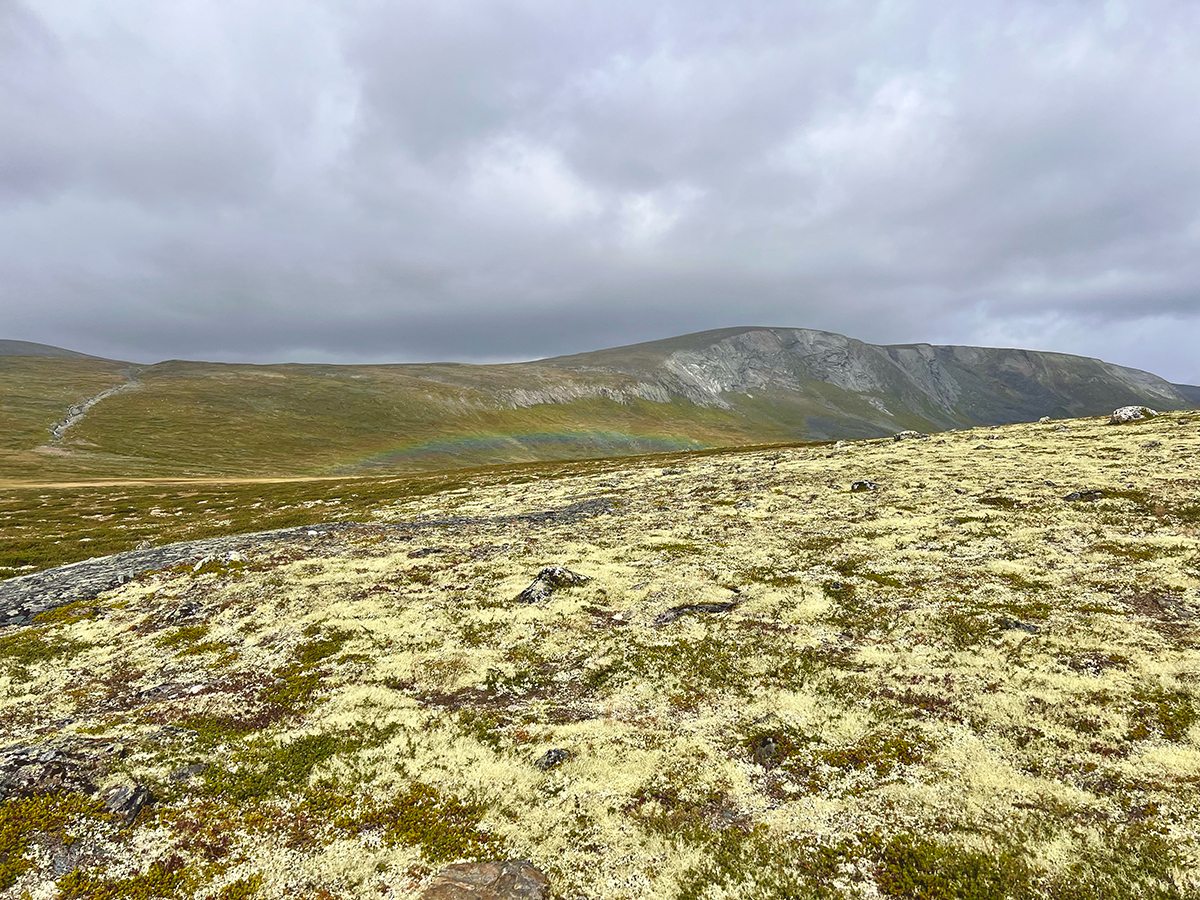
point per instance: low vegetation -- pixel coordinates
(51, 526)
(770, 687)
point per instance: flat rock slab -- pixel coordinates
(25, 596)
(511, 879)
(666, 618)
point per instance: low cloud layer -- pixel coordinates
(365, 181)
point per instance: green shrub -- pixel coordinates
(916, 868)
(23, 819)
(300, 680)
(750, 865)
(445, 828)
(242, 889)
(164, 878)
(261, 771)
(32, 646)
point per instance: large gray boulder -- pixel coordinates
(510, 879)
(1130, 414)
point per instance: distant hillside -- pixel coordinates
(28, 348)
(848, 386)
(728, 387)
(1189, 392)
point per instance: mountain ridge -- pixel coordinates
(44, 351)
(724, 387)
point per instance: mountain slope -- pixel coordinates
(946, 386)
(718, 388)
(1189, 392)
(29, 348)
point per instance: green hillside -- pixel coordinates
(70, 417)
(35, 392)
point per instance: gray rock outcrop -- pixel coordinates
(549, 580)
(511, 879)
(552, 758)
(71, 764)
(125, 801)
(670, 615)
(25, 596)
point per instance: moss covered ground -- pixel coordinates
(958, 685)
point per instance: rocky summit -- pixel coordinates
(728, 675)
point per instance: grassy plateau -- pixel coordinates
(957, 684)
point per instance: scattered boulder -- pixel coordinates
(552, 758)
(1084, 496)
(549, 580)
(187, 610)
(187, 773)
(676, 611)
(125, 801)
(765, 751)
(1044, 420)
(910, 435)
(72, 766)
(863, 486)
(510, 879)
(1131, 414)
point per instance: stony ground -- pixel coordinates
(956, 684)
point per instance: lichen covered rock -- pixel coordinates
(513, 879)
(549, 580)
(1130, 414)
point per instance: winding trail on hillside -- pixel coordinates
(26, 596)
(77, 411)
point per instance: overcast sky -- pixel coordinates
(358, 181)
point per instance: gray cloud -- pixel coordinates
(368, 181)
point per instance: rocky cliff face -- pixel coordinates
(943, 386)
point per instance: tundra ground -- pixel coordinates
(956, 684)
